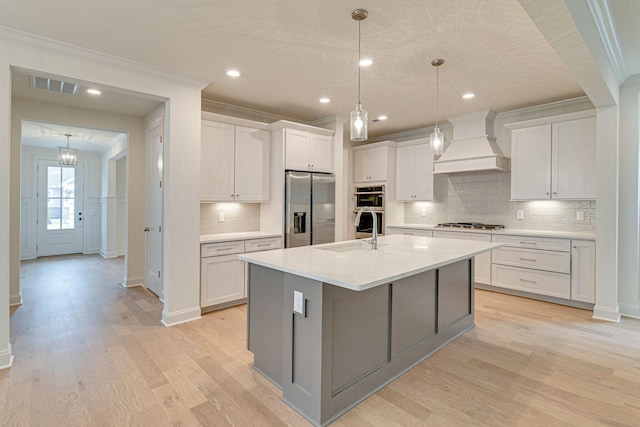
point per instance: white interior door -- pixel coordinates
(154, 209)
(60, 208)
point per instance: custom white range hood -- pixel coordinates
(473, 147)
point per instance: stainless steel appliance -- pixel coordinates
(369, 196)
(310, 208)
(471, 225)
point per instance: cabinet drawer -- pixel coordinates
(545, 243)
(265, 244)
(559, 262)
(462, 235)
(221, 248)
(409, 231)
(540, 282)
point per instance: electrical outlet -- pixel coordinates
(580, 215)
(220, 216)
(520, 214)
(298, 302)
(423, 212)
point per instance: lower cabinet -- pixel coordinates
(409, 231)
(222, 274)
(482, 262)
(558, 268)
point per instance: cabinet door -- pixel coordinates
(321, 153)
(573, 159)
(406, 174)
(482, 268)
(370, 165)
(423, 173)
(252, 164)
(221, 280)
(583, 271)
(297, 144)
(216, 162)
(531, 163)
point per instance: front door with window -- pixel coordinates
(59, 208)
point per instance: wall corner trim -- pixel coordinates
(606, 313)
(6, 358)
(15, 299)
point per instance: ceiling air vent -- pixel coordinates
(54, 85)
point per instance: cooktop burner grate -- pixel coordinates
(471, 225)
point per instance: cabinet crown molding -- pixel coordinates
(285, 124)
(551, 119)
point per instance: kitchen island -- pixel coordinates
(331, 324)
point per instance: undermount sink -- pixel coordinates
(349, 247)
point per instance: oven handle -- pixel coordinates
(367, 194)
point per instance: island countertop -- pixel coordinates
(352, 265)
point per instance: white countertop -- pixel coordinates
(397, 257)
(506, 231)
(228, 237)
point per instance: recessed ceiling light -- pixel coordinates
(468, 95)
(325, 100)
(233, 73)
(94, 91)
(365, 62)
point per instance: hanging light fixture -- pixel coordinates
(359, 116)
(67, 156)
(437, 139)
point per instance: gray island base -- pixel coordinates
(338, 346)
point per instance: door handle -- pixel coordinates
(146, 229)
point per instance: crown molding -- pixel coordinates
(43, 44)
(552, 108)
(412, 134)
(602, 18)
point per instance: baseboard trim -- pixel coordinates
(15, 299)
(630, 310)
(608, 314)
(6, 358)
(181, 316)
(112, 254)
(132, 282)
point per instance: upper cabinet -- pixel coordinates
(234, 163)
(414, 172)
(308, 151)
(374, 162)
(554, 161)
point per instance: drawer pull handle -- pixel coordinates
(528, 243)
(223, 249)
(264, 244)
(528, 281)
(528, 259)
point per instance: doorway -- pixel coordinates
(60, 208)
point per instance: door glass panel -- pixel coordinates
(61, 189)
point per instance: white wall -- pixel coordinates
(29, 52)
(121, 194)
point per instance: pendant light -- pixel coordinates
(437, 138)
(67, 156)
(359, 116)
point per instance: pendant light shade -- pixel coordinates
(359, 122)
(437, 138)
(67, 156)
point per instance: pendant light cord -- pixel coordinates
(437, 85)
(359, 62)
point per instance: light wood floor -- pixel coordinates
(91, 353)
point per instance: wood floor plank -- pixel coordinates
(89, 352)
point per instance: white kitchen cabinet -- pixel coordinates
(583, 271)
(414, 173)
(374, 162)
(409, 231)
(234, 163)
(306, 151)
(482, 262)
(554, 161)
(222, 274)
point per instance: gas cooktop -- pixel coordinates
(471, 225)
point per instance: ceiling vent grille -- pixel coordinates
(54, 85)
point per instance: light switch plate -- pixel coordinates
(520, 214)
(220, 216)
(580, 215)
(423, 212)
(298, 303)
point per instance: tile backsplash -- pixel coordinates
(237, 217)
(484, 197)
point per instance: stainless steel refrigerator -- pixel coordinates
(310, 208)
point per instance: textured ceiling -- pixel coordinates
(291, 53)
(48, 135)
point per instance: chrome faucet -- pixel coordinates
(374, 234)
